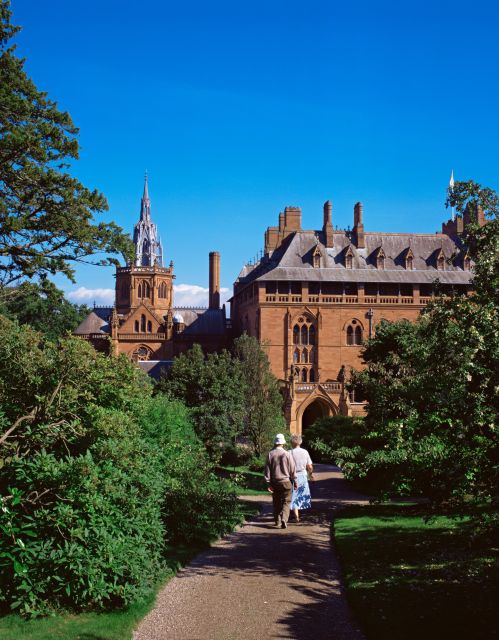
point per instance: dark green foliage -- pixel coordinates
(46, 215)
(432, 392)
(96, 477)
(407, 578)
(213, 388)
(43, 307)
(263, 400)
(332, 434)
(196, 506)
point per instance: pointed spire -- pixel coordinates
(145, 204)
(148, 250)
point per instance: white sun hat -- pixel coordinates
(280, 439)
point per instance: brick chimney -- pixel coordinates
(214, 295)
(358, 226)
(327, 227)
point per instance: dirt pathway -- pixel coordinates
(260, 582)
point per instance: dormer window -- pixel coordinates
(441, 261)
(409, 260)
(380, 259)
(349, 258)
(316, 258)
(466, 263)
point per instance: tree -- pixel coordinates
(432, 386)
(213, 388)
(263, 399)
(46, 215)
(42, 306)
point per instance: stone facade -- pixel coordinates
(144, 324)
(316, 295)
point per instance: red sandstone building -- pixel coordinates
(316, 295)
(311, 301)
(144, 324)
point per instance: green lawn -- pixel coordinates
(117, 625)
(408, 580)
(249, 483)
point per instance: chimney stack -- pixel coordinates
(358, 225)
(327, 227)
(214, 295)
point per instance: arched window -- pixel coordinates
(409, 263)
(311, 335)
(311, 356)
(358, 335)
(348, 261)
(141, 353)
(304, 334)
(296, 334)
(381, 262)
(147, 290)
(466, 264)
(162, 290)
(304, 375)
(149, 326)
(441, 262)
(136, 326)
(296, 356)
(317, 260)
(350, 335)
(304, 356)
(143, 323)
(312, 375)
(139, 290)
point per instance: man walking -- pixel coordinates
(280, 476)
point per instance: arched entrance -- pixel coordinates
(319, 408)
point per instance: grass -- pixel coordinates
(249, 483)
(408, 580)
(115, 625)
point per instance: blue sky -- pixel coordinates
(237, 109)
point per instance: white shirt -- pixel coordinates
(301, 458)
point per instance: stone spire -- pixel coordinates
(148, 248)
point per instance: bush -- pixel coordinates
(236, 455)
(335, 432)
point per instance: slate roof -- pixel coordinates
(293, 259)
(199, 321)
(96, 322)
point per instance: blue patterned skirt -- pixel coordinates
(301, 498)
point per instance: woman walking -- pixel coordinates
(301, 498)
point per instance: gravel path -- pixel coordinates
(260, 582)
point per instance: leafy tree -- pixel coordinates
(42, 306)
(263, 399)
(46, 215)
(213, 388)
(96, 477)
(431, 388)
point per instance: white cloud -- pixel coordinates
(192, 295)
(99, 296)
(185, 295)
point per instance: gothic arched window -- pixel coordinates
(311, 335)
(139, 290)
(296, 334)
(143, 323)
(136, 326)
(304, 375)
(149, 326)
(358, 335)
(304, 356)
(312, 375)
(441, 262)
(349, 335)
(296, 356)
(304, 334)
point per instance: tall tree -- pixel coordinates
(213, 388)
(263, 400)
(46, 214)
(432, 386)
(43, 306)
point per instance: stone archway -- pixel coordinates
(318, 408)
